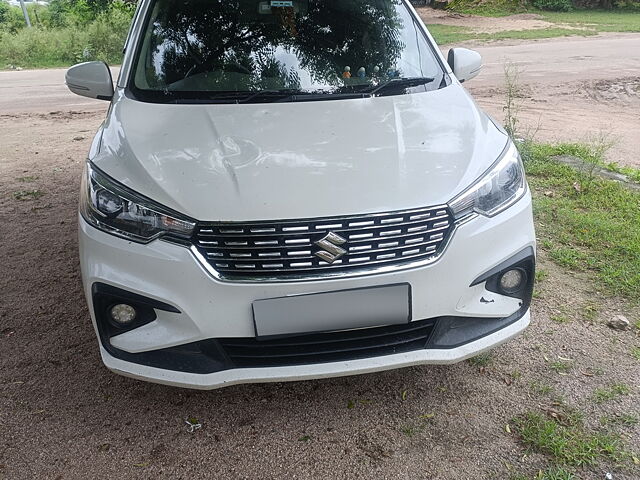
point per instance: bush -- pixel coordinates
(633, 5)
(4, 12)
(553, 5)
(45, 46)
(106, 36)
(488, 7)
(11, 18)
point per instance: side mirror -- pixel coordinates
(90, 79)
(465, 63)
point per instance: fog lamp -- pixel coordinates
(122, 314)
(512, 280)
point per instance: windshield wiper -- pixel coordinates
(399, 83)
(259, 96)
(293, 95)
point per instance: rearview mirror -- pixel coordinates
(90, 79)
(465, 63)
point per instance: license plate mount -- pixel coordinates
(332, 311)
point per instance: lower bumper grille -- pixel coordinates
(328, 347)
(321, 246)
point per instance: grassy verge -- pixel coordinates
(45, 46)
(553, 473)
(623, 20)
(577, 22)
(596, 20)
(585, 222)
(445, 34)
(567, 442)
(487, 8)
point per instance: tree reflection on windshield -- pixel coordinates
(212, 49)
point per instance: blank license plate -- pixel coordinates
(330, 311)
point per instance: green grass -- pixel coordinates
(567, 444)
(27, 179)
(635, 352)
(578, 22)
(589, 311)
(589, 223)
(598, 20)
(540, 389)
(602, 395)
(541, 275)
(447, 34)
(27, 194)
(631, 173)
(486, 8)
(625, 420)
(552, 473)
(482, 360)
(561, 366)
(555, 473)
(560, 318)
(42, 47)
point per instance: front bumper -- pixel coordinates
(236, 376)
(202, 308)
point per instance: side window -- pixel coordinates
(417, 55)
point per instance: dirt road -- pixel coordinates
(571, 89)
(64, 416)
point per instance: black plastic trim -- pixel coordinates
(105, 296)
(213, 355)
(523, 260)
(518, 257)
(446, 332)
(451, 60)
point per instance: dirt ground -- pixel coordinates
(603, 112)
(63, 415)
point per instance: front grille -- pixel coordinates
(289, 247)
(328, 347)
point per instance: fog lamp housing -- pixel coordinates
(118, 311)
(513, 280)
(513, 277)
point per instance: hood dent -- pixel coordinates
(297, 160)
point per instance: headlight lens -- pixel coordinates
(114, 208)
(501, 186)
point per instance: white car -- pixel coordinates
(296, 189)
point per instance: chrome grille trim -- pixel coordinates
(285, 250)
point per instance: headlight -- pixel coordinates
(114, 208)
(501, 186)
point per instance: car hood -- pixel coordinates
(302, 159)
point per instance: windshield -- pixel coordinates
(281, 50)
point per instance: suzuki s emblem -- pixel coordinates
(330, 250)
